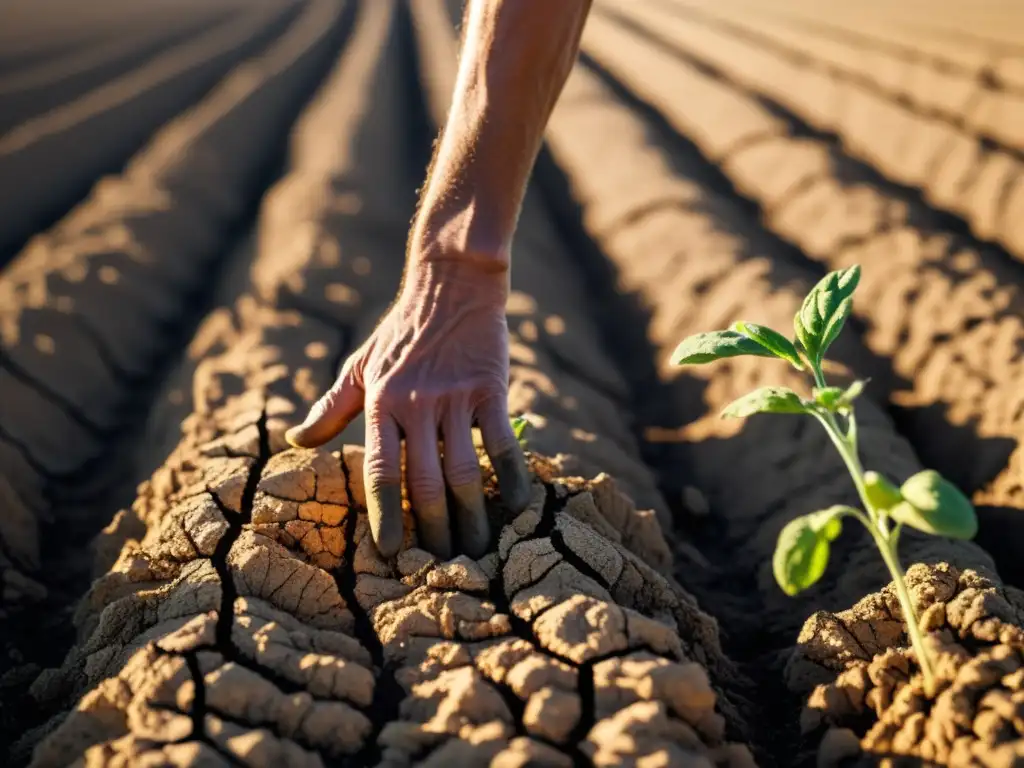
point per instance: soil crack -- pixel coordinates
(387, 692)
(198, 712)
(236, 520)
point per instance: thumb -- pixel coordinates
(330, 414)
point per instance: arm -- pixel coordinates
(438, 362)
(517, 55)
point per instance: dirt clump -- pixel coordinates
(255, 622)
(877, 706)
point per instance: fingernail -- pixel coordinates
(294, 437)
(513, 479)
(384, 506)
(432, 528)
(471, 519)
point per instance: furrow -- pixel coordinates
(91, 296)
(114, 248)
(927, 88)
(39, 34)
(251, 357)
(955, 39)
(725, 269)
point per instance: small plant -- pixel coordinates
(925, 501)
(519, 426)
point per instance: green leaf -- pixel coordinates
(801, 333)
(824, 311)
(835, 324)
(765, 400)
(934, 505)
(836, 398)
(880, 492)
(519, 427)
(772, 340)
(802, 549)
(707, 347)
(829, 522)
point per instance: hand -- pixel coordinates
(437, 363)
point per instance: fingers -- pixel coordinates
(426, 485)
(506, 455)
(330, 414)
(462, 472)
(382, 477)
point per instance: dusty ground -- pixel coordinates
(203, 210)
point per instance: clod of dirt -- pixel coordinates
(255, 623)
(877, 703)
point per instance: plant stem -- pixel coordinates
(849, 454)
(884, 540)
(899, 580)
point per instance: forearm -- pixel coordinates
(516, 58)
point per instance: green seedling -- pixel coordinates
(519, 426)
(925, 501)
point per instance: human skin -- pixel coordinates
(438, 362)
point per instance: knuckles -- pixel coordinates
(400, 399)
(426, 489)
(380, 470)
(462, 472)
(501, 445)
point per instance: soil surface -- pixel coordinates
(204, 210)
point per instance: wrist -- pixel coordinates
(459, 238)
(473, 281)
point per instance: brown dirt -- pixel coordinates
(955, 354)
(559, 642)
(90, 309)
(29, 91)
(706, 264)
(44, 155)
(251, 348)
(699, 172)
(874, 698)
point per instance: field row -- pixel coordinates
(93, 308)
(241, 614)
(982, 40)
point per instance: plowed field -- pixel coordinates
(203, 210)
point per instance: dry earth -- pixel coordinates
(203, 210)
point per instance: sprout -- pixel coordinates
(519, 426)
(926, 501)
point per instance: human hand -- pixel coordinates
(437, 363)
